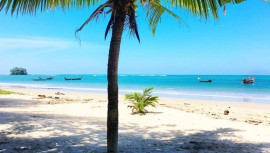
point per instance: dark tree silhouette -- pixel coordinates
(18, 71)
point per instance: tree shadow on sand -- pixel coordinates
(59, 133)
(37, 132)
(198, 142)
(7, 103)
(51, 133)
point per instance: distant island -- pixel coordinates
(18, 71)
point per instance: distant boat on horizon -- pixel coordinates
(42, 79)
(200, 80)
(73, 78)
(249, 80)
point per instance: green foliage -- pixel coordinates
(4, 92)
(18, 71)
(154, 9)
(32, 6)
(140, 101)
(203, 8)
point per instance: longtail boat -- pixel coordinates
(200, 80)
(42, 79)
(248, 80)
(73, 78)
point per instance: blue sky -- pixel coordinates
(238, 43)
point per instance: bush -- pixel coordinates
(18, 71)
(140, 101)
(4, 92)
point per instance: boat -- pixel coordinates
(73, 78)
(42, 79)
(49, 78)
(210, 80)
(200, 80)
(39, 79)
(249, 80)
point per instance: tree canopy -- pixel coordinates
(18, 71)
(153, 9)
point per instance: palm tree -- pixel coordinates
(123, 14)
(140, 101)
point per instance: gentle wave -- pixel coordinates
(180, 86)
(23, 85)
(220, 95)
(265, 98)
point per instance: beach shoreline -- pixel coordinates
(67, 118)
(222, 88)
(191, 95)
(250, 112)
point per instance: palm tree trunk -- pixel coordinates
(112, 76)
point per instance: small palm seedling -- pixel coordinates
(141, 100)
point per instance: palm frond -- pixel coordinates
(154, 10)
(110, 24)
(95, 14)
(32, 6)
(147, 91)
(202, 8)
(132, 23)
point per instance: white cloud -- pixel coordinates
(85, 45)
(44, 44)
(33, 43)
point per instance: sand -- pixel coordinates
(76, 122)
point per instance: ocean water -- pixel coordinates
(223, 87)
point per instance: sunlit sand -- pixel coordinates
(76, 122)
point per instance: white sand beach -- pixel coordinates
(76, 122)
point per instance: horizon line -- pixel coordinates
(133, 74)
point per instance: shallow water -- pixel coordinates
(223, 87)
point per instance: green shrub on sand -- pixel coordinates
(4, 92)
(141, 100)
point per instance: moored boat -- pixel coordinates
(39, 79)
(49, 78)
(73, 78)
(42, 79)
(200, 80)
(249, 80)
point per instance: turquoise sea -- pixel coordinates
(223, 87)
